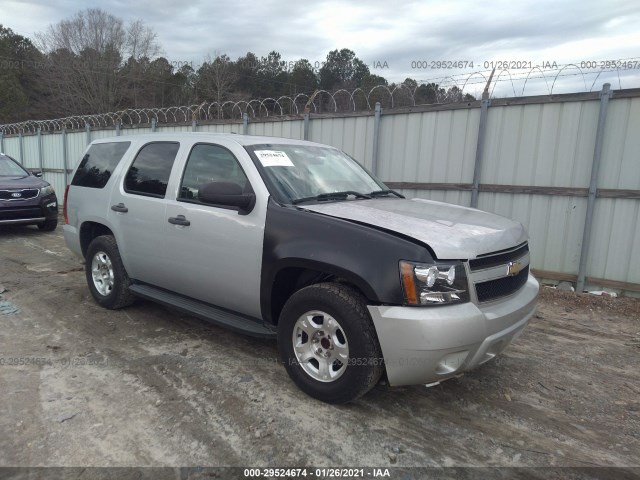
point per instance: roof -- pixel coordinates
(207, 136)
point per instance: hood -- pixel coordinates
(453, 232)
(10, 183)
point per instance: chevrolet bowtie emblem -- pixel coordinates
(514, 268)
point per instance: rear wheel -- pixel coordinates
(106, 276)
(328, 343)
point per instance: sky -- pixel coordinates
(395, 39)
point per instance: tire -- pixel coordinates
(49, 225)
(328, 343)
(106, 276)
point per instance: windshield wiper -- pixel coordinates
(323, 197)
(383, 193)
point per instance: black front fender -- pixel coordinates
(362, 255)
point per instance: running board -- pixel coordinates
(223, 318)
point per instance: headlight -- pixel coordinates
(434, 284)
(48, 190)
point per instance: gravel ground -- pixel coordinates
(146, 386)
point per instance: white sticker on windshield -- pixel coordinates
(273, 158)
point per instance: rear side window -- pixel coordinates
(98, 164)
(150, 171)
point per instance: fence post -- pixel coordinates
(88, 130)
(21, 148)
(40, 152)
(64, 156)
(305, 131)
(376, 134)
(117, 128)
(245, 123)
(1, 142)
(482, 131)
(605, 94)
(153, 124)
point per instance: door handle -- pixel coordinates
(179, 220)
(119, 208)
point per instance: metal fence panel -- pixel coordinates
(133, 131)
(30, 148)
(621, 145)
(12, 147)
(99, 134)
(285, 129)
(220, 128)
(547, 144)
(554, 223)
(52, 151)
(353, 135)
(173, 128)
(613, 252)
(53, 158)
(76, 145)
(429, 147)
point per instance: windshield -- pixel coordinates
(298, 172)
(10, 168)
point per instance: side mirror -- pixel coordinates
(227, 194)
(36, 173)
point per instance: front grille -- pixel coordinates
(17, 213)
(501, 287)
(498, 258)
(19, 194)
(491, 273)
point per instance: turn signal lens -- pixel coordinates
(408, 283)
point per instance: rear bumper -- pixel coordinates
(425, 345)
(72, 239)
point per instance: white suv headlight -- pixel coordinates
(434, 284)
(48, 190)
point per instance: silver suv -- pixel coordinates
(295, 240)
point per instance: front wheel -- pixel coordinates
(328, 343)
(49, 225)
(106, 276)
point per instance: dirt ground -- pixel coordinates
(146, 386)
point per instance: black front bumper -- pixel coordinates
(29, 212)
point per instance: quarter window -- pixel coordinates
(149, 174)
(98, 164)
(207, 164)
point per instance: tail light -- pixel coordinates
(64, 208)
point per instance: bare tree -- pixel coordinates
(216, 79)
(85, 54)
(140, 47)
(141, 41)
